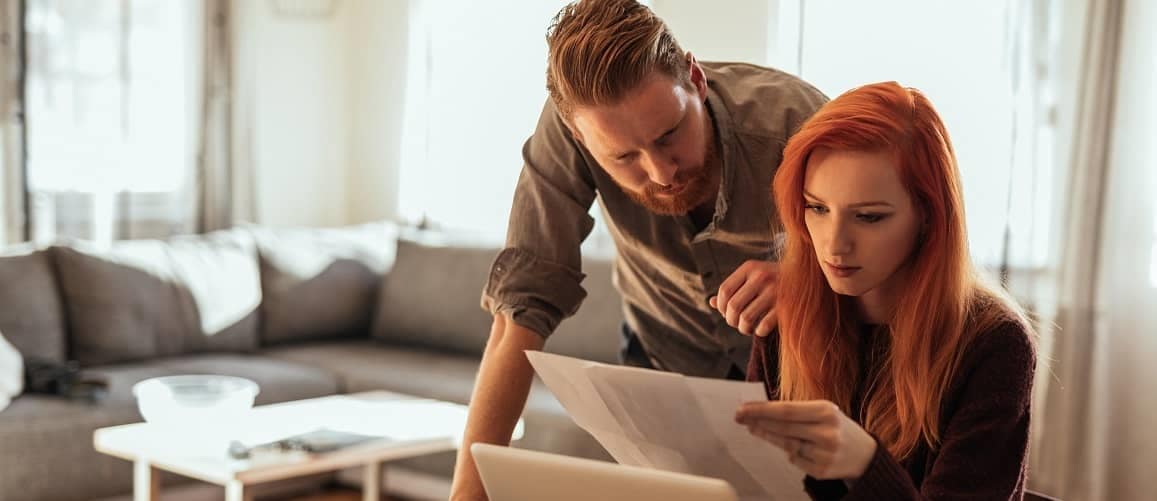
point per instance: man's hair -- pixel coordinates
(602, 49)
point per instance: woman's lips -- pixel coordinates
(842, 271)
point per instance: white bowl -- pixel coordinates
(195, 399)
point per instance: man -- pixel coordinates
(681, 156)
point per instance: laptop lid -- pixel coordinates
(510, 474)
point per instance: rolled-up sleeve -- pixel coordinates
(536, 279)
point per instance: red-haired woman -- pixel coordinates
(895, 373)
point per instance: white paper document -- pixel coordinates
(671, 422)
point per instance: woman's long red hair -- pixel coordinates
(938, 314)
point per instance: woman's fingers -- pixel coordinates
(800, 452)
(811, 411)
(811, 432)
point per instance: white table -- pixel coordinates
(410, 427)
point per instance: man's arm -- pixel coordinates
(535, 280)
(499, 397)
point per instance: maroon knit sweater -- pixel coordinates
(984, 424)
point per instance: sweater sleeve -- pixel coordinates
(984, 443)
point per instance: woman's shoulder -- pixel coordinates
(1003, 337)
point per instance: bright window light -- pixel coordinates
(957, 55)
(476, 89)
(109, 109)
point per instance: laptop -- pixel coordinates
(510, 474)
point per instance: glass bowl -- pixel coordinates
(194, 399)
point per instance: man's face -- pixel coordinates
(656, 143)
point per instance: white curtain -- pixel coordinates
(225, 169)
(12, 214)
(117, 120)
(1096, 294)
(110, 97)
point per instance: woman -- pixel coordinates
(895, 373)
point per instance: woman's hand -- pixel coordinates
(816, 435)
(746, 299)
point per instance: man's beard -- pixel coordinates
(699, 185)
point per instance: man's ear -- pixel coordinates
(698, 79)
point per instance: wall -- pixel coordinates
(376, 49)
(300, 126)
(738, 32)
(329, 95)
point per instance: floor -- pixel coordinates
(205, 492)
(337, 494)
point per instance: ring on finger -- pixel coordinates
(801, 451)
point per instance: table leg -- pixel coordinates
(235, 491)
(146, 481)
(372, 482)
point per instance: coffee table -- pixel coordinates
(409, 426)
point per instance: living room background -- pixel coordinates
(324, 113)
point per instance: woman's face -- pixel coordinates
(862, 221)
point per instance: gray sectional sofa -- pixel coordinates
(303, 312)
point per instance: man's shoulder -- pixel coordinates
(762, 101)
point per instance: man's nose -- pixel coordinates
(660, 168)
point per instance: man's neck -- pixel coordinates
(702, 215)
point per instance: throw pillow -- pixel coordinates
(11, 372)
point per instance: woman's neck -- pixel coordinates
(877, 305)
(874, 309)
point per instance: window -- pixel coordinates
(476, 86)
(476, 92)
(110, 107)
(1153, 251)
(958, 54)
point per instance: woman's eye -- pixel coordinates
(871, 218)
(818, 209)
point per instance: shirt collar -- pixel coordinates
(725, 139)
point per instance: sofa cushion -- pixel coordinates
(430, 298)
(45, 439)
(321, 283)
(593, 333)
(140, 299)
(32, 318)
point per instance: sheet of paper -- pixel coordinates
(671, 422)
(767, 464)
(565, 378)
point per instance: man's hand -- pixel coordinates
(817, 437)
(747, 298)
